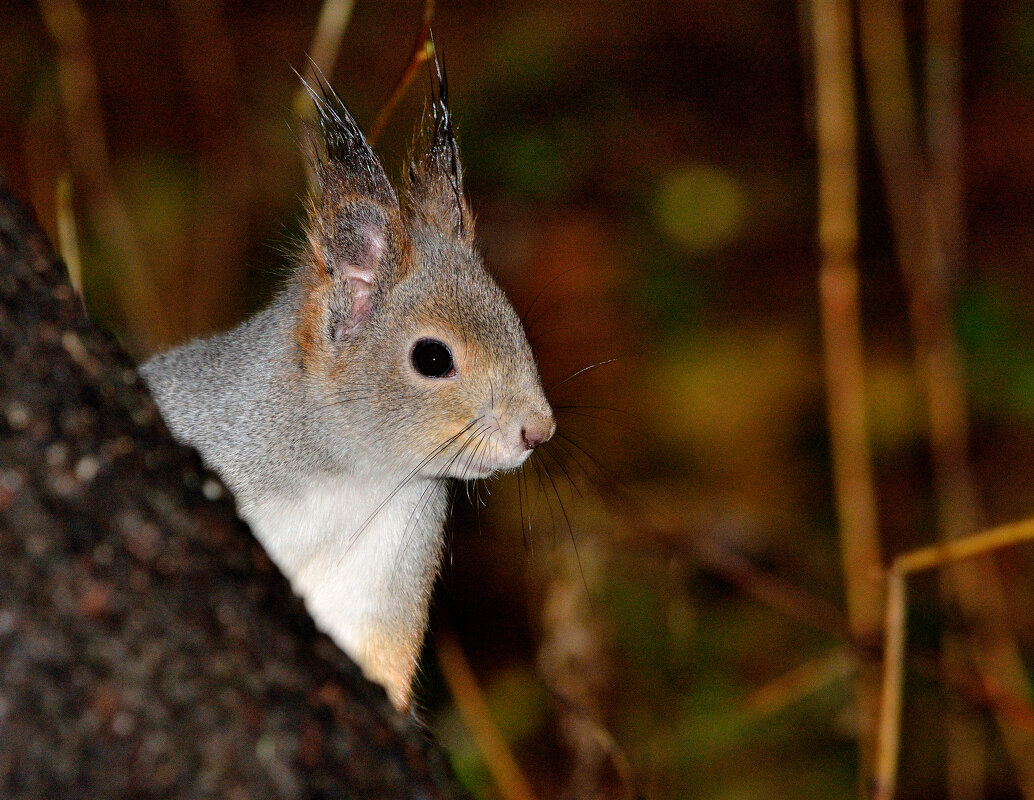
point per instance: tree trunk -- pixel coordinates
(148, 647)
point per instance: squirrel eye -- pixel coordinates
(433, 359)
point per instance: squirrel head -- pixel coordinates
(412, 351)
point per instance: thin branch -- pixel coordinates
(802, 681)
(421, 52)
(769, 589)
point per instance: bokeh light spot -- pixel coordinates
(700, 207)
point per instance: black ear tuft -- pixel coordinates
(443, 145)
(341, 156)
(435, 174)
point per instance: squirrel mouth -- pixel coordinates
(487, 468)
(479, 470)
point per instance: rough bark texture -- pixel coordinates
(148, 648)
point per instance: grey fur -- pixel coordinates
(315, 416)
(239, 398)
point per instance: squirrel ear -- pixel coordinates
(356, 260)
(355, 224)
(357, 250)
(435, 180)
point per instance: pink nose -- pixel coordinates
(537, 430)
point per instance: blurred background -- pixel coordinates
(658, 609)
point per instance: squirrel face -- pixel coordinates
(403, 335)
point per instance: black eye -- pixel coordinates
(433, 359)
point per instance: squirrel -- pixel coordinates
(389, 364)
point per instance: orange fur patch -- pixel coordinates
(311, 320)
(390, 659)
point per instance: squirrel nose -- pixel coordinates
(537, 430)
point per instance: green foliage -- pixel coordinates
(997, 331)
(699, 207)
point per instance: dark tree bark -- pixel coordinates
(148, 647)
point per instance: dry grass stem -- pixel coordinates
(803, 680)
(977, 544)
(925, 558)
(323, 51)
(842, 344)
(67, 236)
(889, 732)
(918, 227)
(576, 663)
(91, 166)
(326, 41)
(942, 90)
(966, 740)
(470, 702)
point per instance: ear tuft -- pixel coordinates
(435, 180)
(341, 157)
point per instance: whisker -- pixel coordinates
(522, 478)
(582, 371)
(567, 474)
(603, 472)
(524, 317)
(427, 495)
(482, 451)
(484, 435)
(570, 532)
(423, 463)
(549, 503)
(615, 423)
(595, 461)
(603, 478)
(425, 499)
(613, 481)
(556, 492)
(560, 445)
(477, 510)
(479, 435)
(549, 312)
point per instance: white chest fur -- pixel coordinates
(364, 563)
